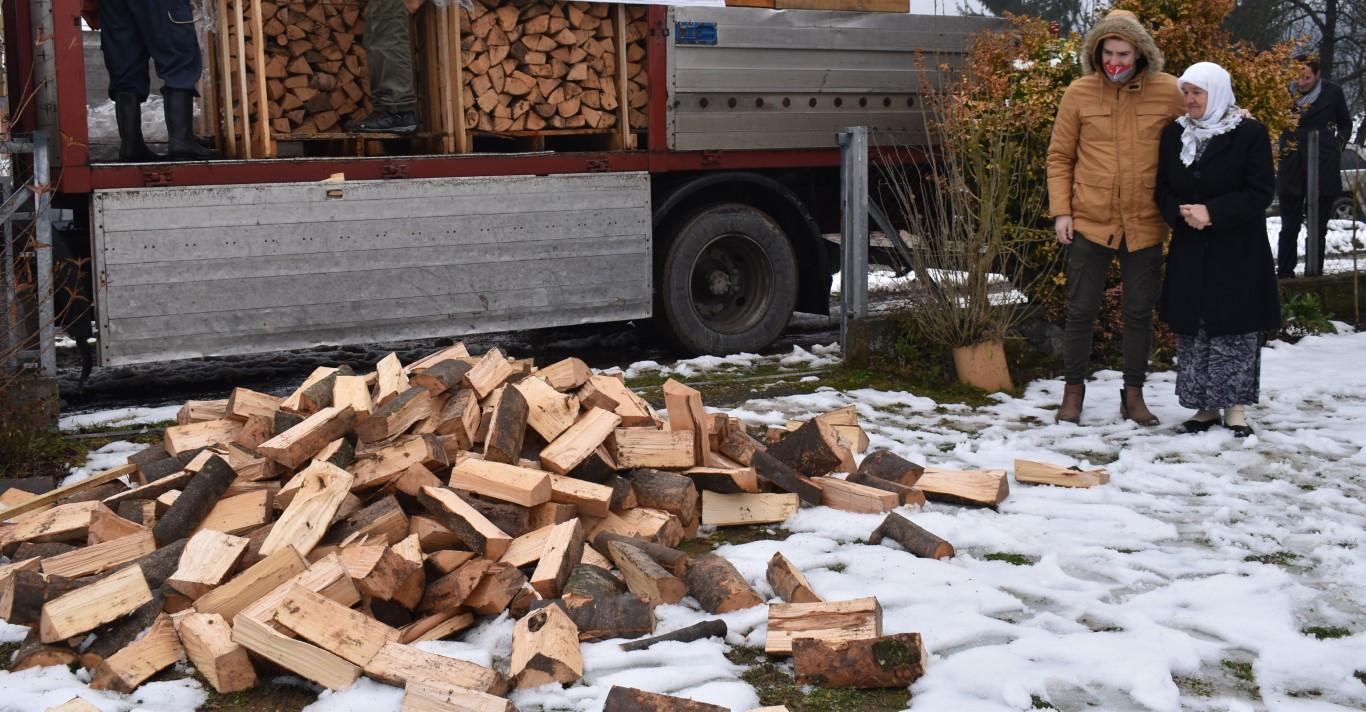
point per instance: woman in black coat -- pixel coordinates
(1215, 179)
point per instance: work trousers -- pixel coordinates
(1292, 218)
(133, 31)
(1087, 266)
(389, 56)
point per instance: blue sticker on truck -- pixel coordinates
(695, 33)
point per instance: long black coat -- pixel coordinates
(1328, 116)
(1223, 275)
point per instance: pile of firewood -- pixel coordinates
(328, 531)
(315, 64)
(533, 65)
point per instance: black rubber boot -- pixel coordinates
(128, 116)
(184, 145)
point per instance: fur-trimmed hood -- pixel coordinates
(1124, 25)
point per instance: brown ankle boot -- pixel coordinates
(1070, 410)
(1132, 407)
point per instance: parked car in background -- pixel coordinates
(1352, 204)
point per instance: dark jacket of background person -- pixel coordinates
(1223, 277)
(1328, 115)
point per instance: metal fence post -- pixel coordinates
(42, 247)
(1311, 242)
(854, 228)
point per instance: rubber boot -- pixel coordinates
(184, 145)
(1132, 407)
(128, 116)
(1072, 397)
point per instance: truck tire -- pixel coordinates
(728, 281)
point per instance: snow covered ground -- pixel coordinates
(1189, 582)
(1340, 245)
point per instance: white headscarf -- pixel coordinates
(1221, 113)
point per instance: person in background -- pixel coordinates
(131, 32)
(1215, 179)
(389, 57)
(1321, 109)
(1102, 160)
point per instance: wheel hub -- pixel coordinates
(731, 283)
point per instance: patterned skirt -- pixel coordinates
(1217, 371)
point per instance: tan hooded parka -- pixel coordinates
(1102, 160)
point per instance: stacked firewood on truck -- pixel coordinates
(531, 66)
(315, 70)
(328, 531)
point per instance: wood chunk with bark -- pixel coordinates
(545, 649)
(327, 576)
(491, 371)
(513, 519)
(725, 480)
(915, 539)
(508, 483)
(911, 496)
(180, 439)
(623, 616)
(648, 447)
(654, 525)
(442, 376)
(305, 520)
(563, 550)
(1046, 473)
(207, 638)
(673, 560)
(307, 661)
(451, 590)
(507, 428)
(981, 488)
(89, 607)
(684, 404)
(601, 390)
(854, 497)
(627, 699)
(739, 446)
(496, 591)
(383, 518)
(566, 375)
(788, 581)
(588, 581)
(594, 500)
(433, 696)
(832, 620)
(352, 392)
(697, 631)
(715, 583)
(887, 465)
(455, 351)
(724, 510)
(396, 663)
(776, 473)
(889, 661)
(156, 650)
(33, 652)
(377, 467)
(644, 576)
(549, 412)
(574, 445)
(25, 591)
(245, 403)
(348, 634)
(390, 379)
(247, 587)
(669, 491)
(206, 561)
(812, 450)
(295, 446)
(99, 558)
(473, 528)
(396, 416)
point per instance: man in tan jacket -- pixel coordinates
(1102, 166)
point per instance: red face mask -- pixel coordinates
(1118, 71)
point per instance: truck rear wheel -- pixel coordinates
(729, 280)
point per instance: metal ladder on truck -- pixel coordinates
(27, 316)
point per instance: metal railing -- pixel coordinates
(39, 190)
(853, 143)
